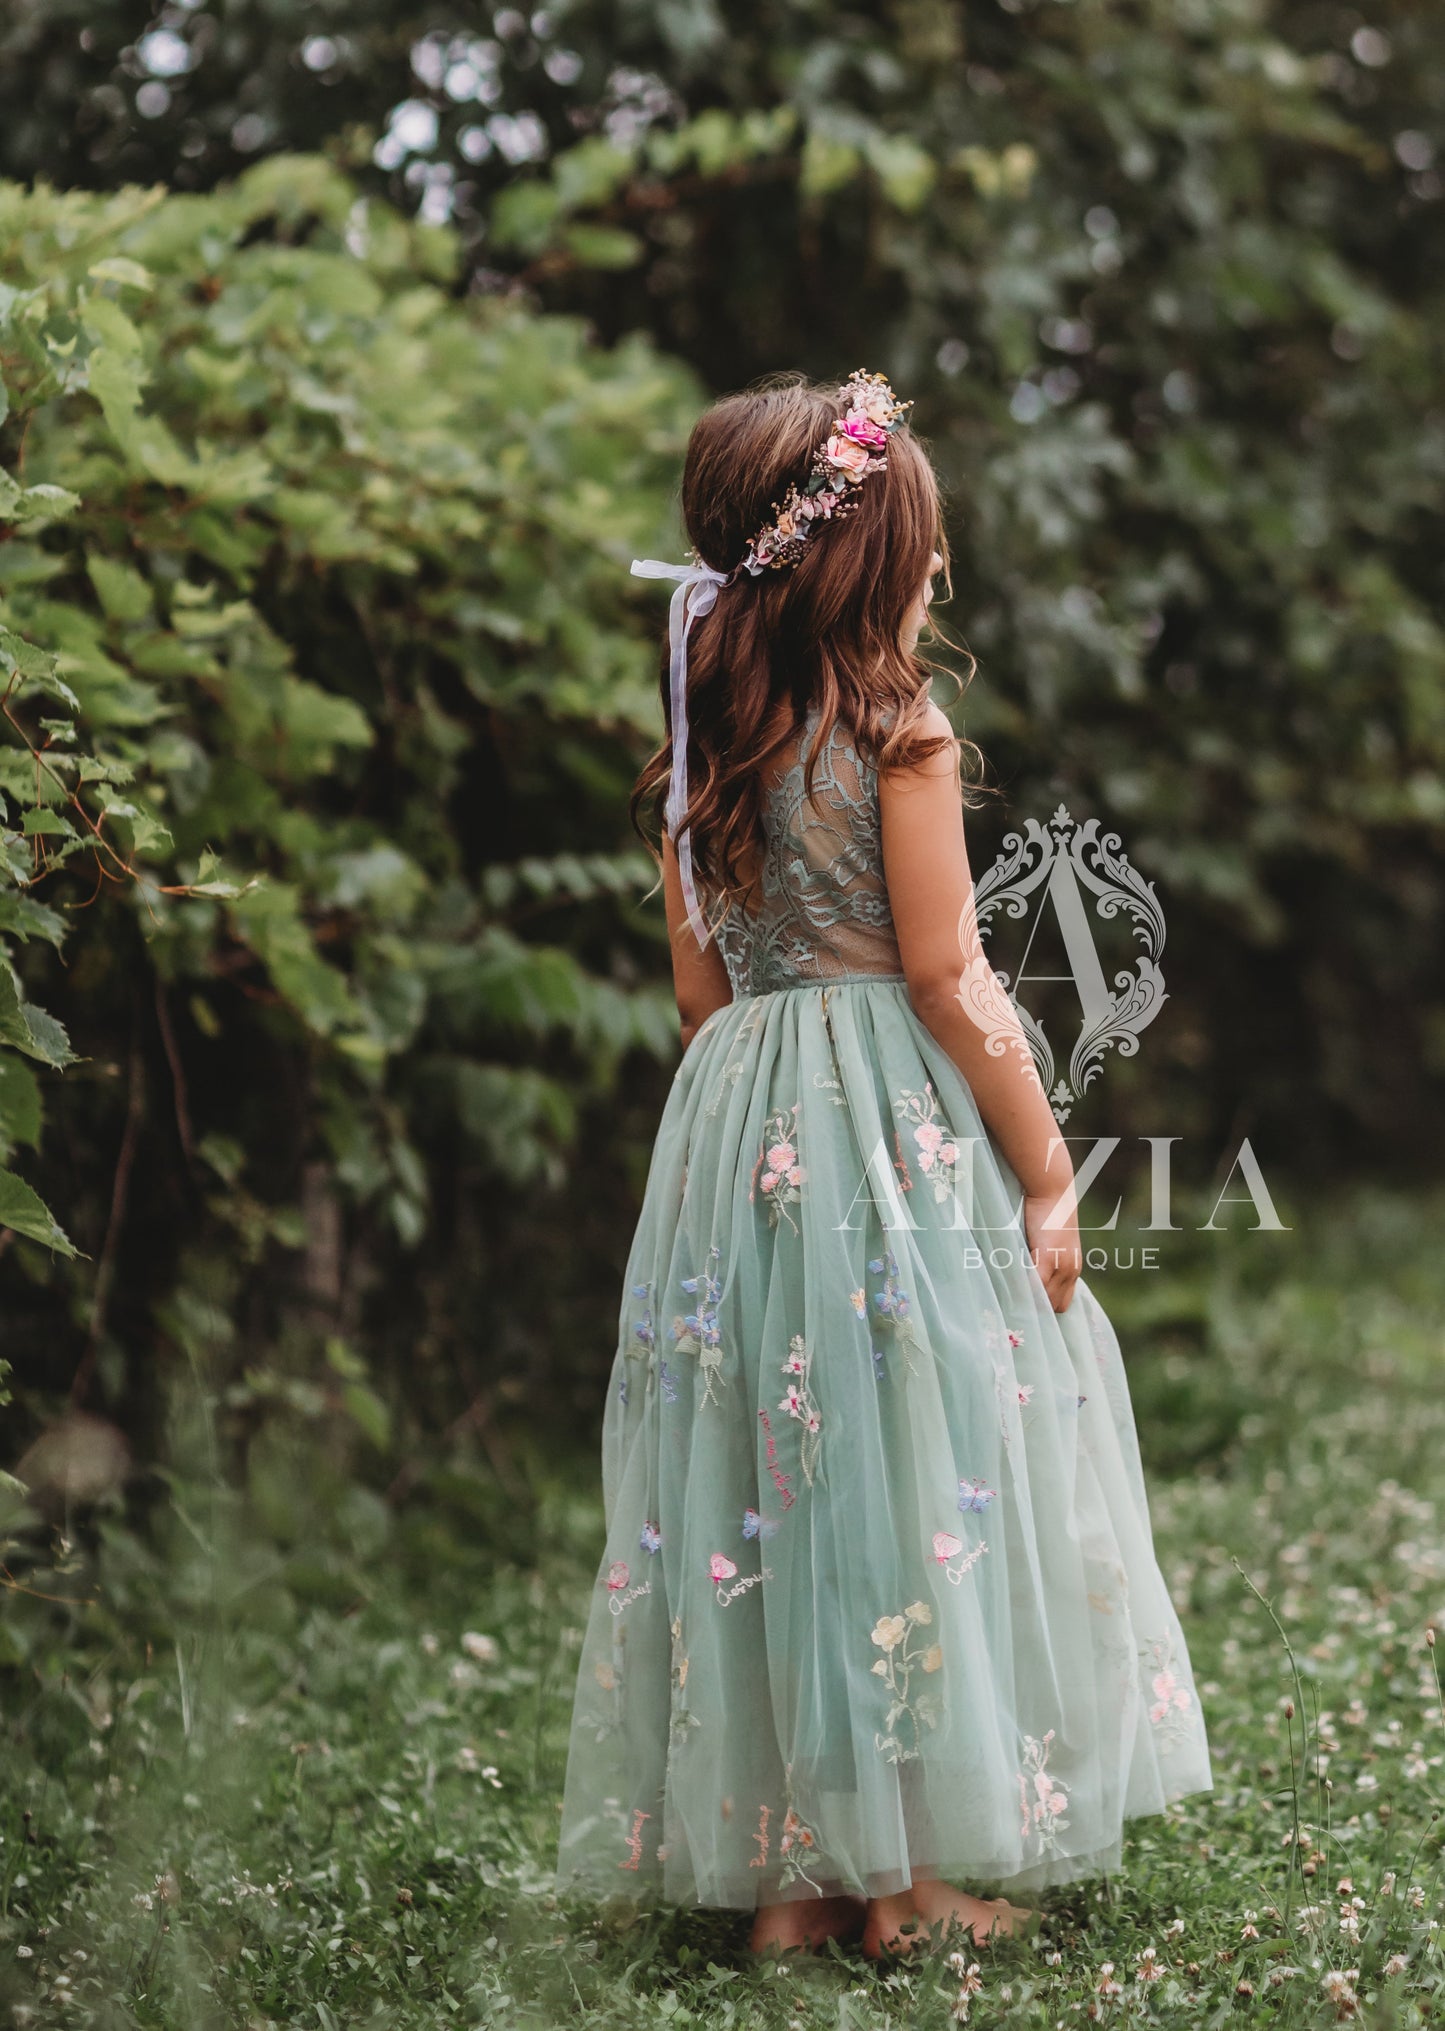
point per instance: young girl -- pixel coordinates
(879, 1622)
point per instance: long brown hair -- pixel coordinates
(827, 630)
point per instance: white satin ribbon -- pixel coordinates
(696, 594)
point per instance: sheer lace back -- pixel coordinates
(823, 913)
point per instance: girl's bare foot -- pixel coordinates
(805, 1924)
(898, 1924)
(985, 1917)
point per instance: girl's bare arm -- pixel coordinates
(699, 977)
(960, 1001)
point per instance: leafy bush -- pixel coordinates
(322, 699)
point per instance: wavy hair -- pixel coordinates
(827, 630)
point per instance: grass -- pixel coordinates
(286, 1787)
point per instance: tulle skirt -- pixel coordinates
(879, 1593)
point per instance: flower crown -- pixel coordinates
(853, 450)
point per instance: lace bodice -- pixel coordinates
(824, 911)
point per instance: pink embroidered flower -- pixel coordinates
(859, 1302)
(782, 1156)
(1168, 1693)
(1016, 1339)
(768, 1180)
(795, 1175)
(814, 1422)
(948, 1153)
(792, 1403)
(1026, 1390)
(945, 1545)
(863, 429)
(848, 457)
(928, 1135)
(795, 1364)
(617, 1577)
(721, 1567)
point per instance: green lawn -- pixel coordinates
(324, 1793)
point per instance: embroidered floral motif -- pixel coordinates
(1012, 1396)
(799, 1404)
(904, 1654)
(782, 1176)
(938, 1152)
(1043, 1800)
(893, 1308)
(1171, 1707)
(946, 1548)
(740, 1059)
(798, 1845)
(640, 1341)
(683, 1719)
(698, 1332)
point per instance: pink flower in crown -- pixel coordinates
(804, 509)
(863, 430)
(846, 456)
(875, 401)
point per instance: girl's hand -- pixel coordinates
(1054, 1248)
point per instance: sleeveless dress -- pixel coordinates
(879, 1590)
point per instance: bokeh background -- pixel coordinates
(347, 356)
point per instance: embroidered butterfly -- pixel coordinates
(755, 1525)
(974, 1497)
(617, 1577)
(651, 1538)
(721, 1567)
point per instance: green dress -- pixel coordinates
(879, 1591)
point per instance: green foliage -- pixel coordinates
(321, 695)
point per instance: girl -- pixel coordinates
(879, 1612)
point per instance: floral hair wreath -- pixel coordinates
(855, 448)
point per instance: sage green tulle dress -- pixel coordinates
(879, 1593)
